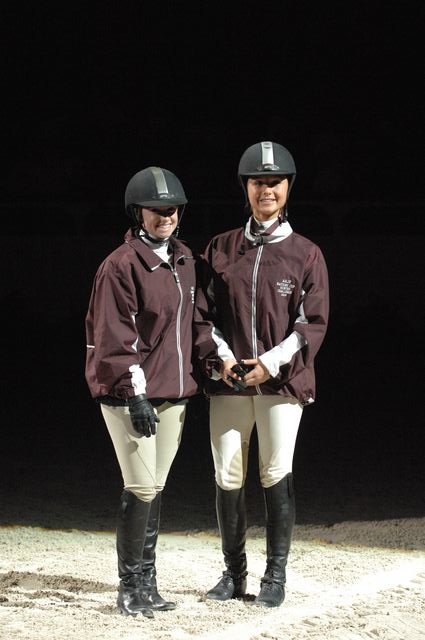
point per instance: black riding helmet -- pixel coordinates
(266, 158)
(154, 187)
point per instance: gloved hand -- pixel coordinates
(238, 385)
(143, 416)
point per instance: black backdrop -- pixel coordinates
(94, 93)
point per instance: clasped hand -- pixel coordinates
(256, 375)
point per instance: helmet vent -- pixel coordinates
(267, 155)
(160, 182)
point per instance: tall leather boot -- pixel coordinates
(280, 518)
(231, 516)
(132, 522)
(149, 556)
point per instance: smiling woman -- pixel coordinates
(158, 223)
(267, 196)
(264, 301)
(130, 336)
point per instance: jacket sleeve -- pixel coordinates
(299, 349)
(312, 323)
(282, 353)
(209, 345)
(113, 366)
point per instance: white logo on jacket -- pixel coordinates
(285, 287)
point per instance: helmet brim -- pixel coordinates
(161, 203)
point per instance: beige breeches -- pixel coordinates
(145, 462)
(232, 420)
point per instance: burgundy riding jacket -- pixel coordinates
(257, 292)
(139, 324)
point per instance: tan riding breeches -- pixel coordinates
(232, 420)
(145, 462)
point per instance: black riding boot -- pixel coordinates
(132, 522)
(231, 516)
(280, 518)
(148, 564)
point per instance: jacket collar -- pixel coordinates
(149, 257)
(275, 234)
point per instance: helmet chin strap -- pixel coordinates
(141, 230)
(179, 220)
(159, 241)
(283, 215)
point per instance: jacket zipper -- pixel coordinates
(254, 308)
(178, 332)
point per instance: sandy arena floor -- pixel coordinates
(349, 581)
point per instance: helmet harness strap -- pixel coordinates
(140, 229)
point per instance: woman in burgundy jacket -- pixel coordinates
(264, 304)
(139, 368)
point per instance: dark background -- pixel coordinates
(92, 94)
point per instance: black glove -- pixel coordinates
(238, 385)
(143, 416)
